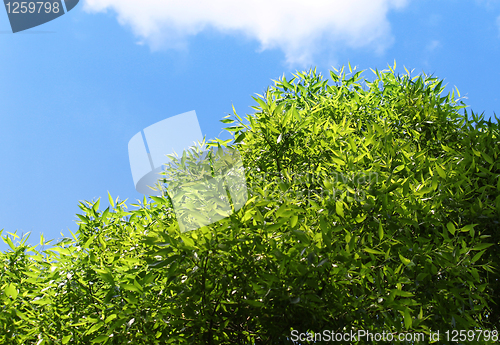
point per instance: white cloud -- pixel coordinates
(299, 28)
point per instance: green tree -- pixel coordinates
(372, 206)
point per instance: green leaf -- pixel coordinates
(380, 231)
(440, 171)
(373, 251)
(84, 219)
(130, 287)
(240, 138)
(337, 160)
(478, 256)
(21, 315)
(403, 293)
(287, 84)
(487, 158)
(11, 291)
(475, 273)
(406, 188)
(262, 104)
(100, 339)
(468, 228)
(183, 158)
(339, 208)
(187, 241)
(407, 318)
(9, 242)
(66, 339)
(95, 327)
(234, 128)
(95, 208)
(404, 260)
(482, 246)
(43, 301)
(158, 199)
(105, 215)
(110, 318)
(451, 228)
(111, 202)
(399, 168)
(360, 218)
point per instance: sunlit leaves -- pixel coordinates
(372, 208)
(11, 291)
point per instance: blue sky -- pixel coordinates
(75, 90)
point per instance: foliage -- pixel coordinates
(372, 207)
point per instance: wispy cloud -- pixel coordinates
(433, 45)
(488, 3)
(299, 28)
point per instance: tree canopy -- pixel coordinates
(372, 205)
